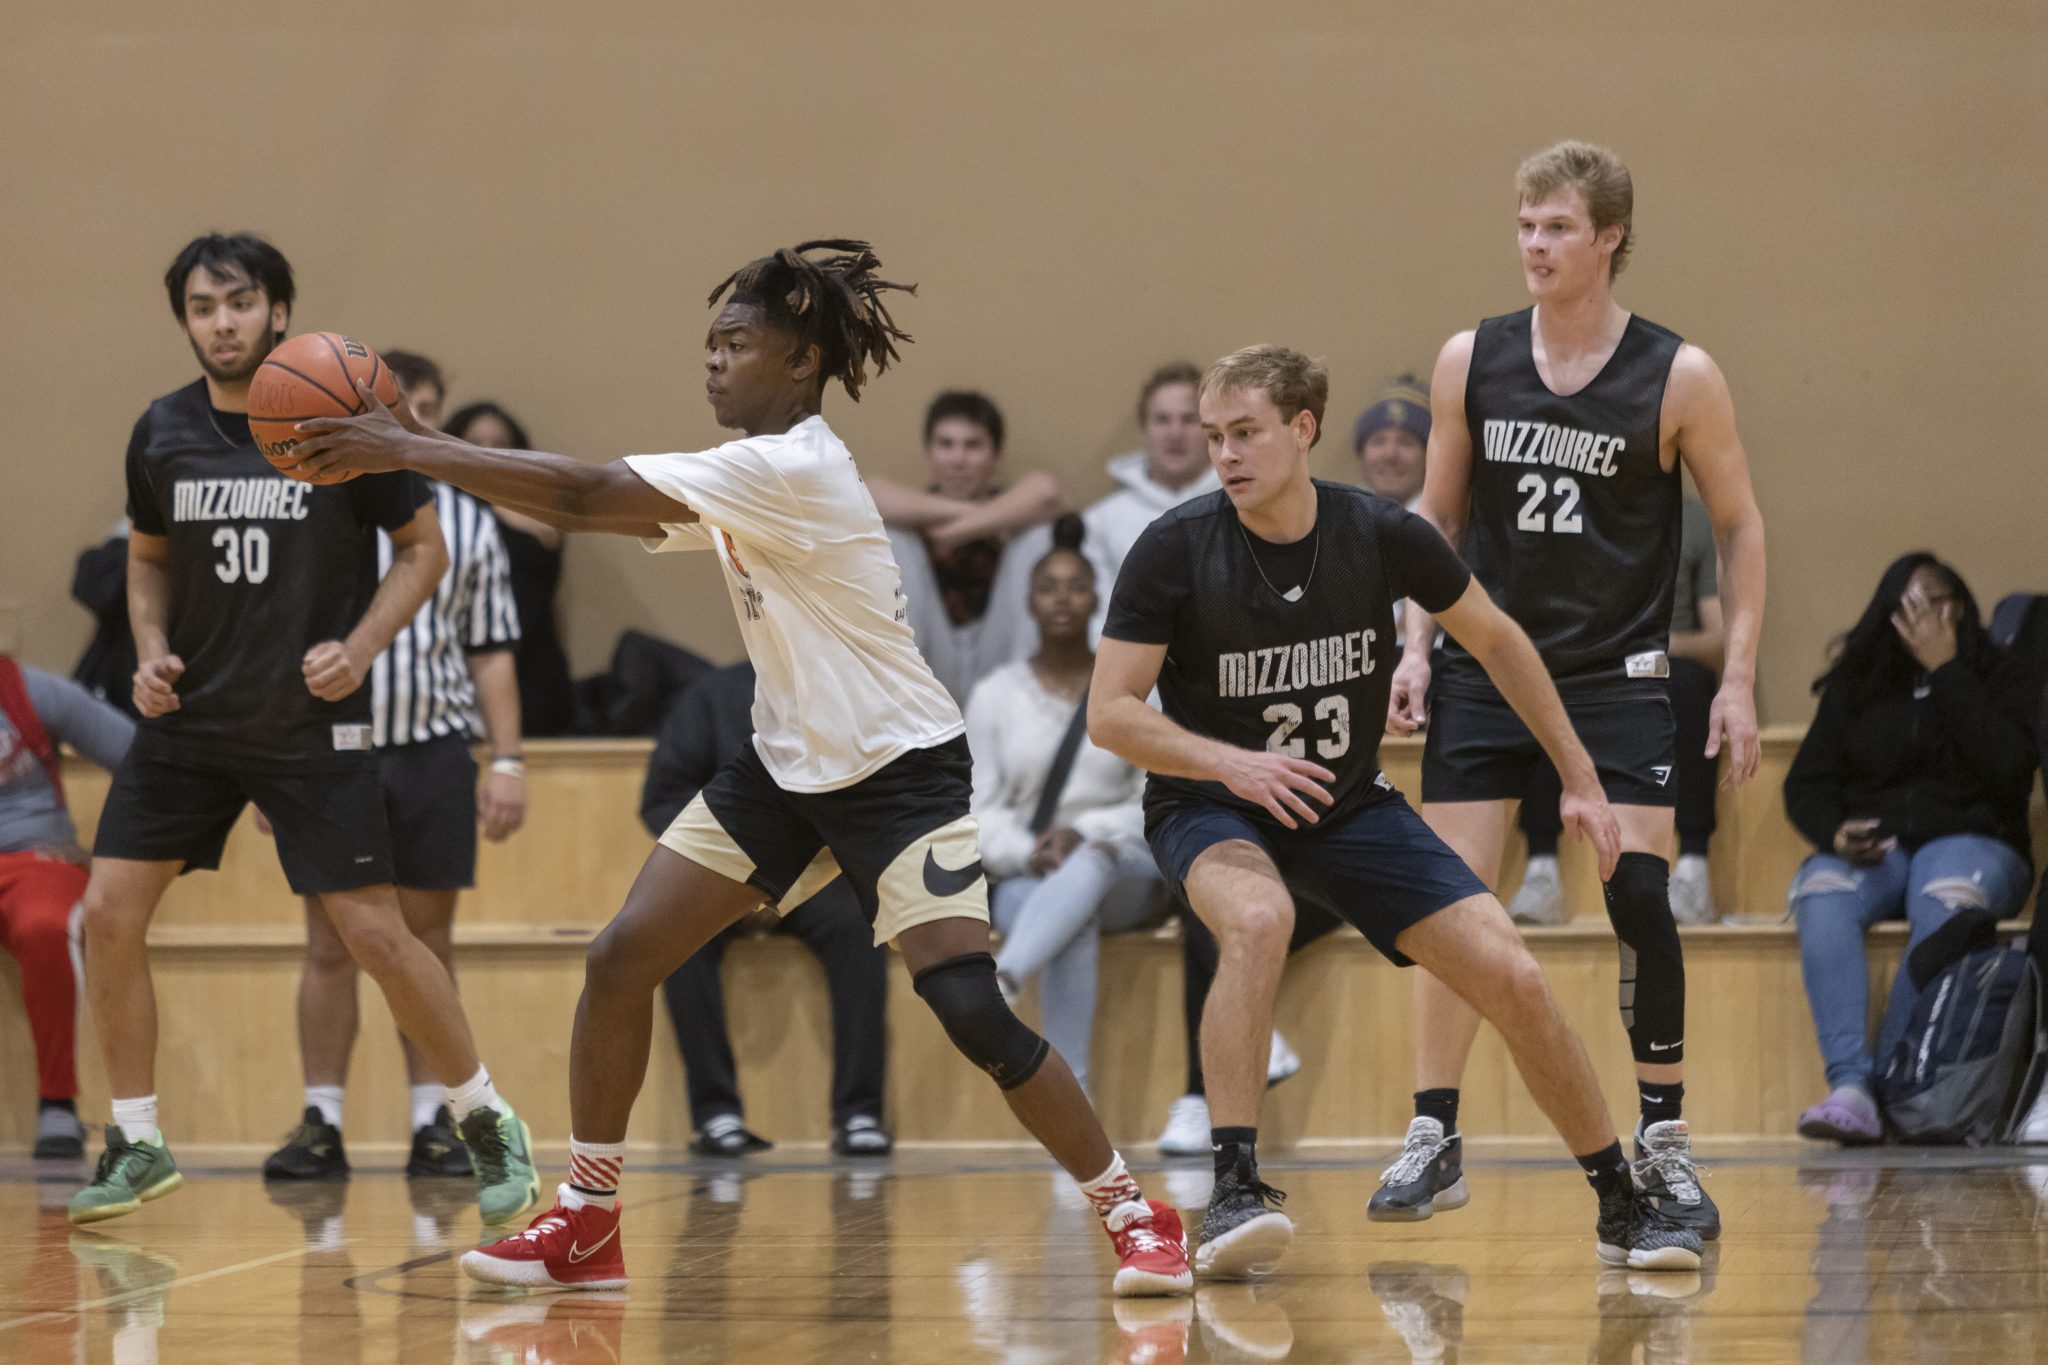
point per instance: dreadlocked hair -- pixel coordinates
(833, 302)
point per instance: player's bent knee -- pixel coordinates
(329, 953)
(107, 920)
(611, 958)
(1260, 926)
(962, 992)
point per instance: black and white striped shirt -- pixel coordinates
(420, 688)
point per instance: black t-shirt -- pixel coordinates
(1247, 665)
(262, 568)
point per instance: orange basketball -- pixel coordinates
(312, 375)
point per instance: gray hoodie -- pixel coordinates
(31, 813)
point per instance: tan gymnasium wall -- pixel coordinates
(1842, 201)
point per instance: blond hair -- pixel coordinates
(1601, 180)
(1292, 381)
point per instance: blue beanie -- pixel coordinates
(1403, 404)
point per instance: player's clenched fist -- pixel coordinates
(332, 670)
(156, 680)
(1406, 711)
(1279, 783)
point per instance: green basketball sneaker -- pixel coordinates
(129, 1175)
(501, 1150)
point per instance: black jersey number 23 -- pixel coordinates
(1333, 713)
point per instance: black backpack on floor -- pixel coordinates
(1973, 1055)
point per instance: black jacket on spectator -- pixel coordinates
(100, 585)
(1951, 753)
(702, 732)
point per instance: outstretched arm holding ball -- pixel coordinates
(559, 490)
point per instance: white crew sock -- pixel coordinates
(327, 1099)
(136, 1118)
(426, 1102)
(475, 1093)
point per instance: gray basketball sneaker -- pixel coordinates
(1428, 1177)
(1243, 1230)
(1666, 1176)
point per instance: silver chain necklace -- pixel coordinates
(1315, 554)
(214, 422)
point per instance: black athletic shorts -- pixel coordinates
(167, 804)
(902, 836)
(1479, 750)
(1379, 868)
(430, 802)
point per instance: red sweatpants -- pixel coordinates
(38, 895)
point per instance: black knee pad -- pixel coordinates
(1652, 964)
(962, 992)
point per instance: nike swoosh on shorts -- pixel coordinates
(945, 881)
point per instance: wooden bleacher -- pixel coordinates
(227, 949)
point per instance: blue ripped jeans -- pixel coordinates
(1835, 901)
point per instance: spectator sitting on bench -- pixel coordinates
(963, 575)
(705, 728)
(1912, 785)
(1063, 842)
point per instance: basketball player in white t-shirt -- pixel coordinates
(859, 765)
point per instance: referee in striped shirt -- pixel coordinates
(446, 682)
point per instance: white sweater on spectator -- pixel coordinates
(1014, 726)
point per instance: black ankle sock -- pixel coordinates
(1661, 1102)
(1233, 1145)
(1607, 1170)
(1441, 1105)
(68, 1106)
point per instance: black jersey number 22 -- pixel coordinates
(1285, 718)
(1566, 518)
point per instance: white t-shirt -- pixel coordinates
(840, 688)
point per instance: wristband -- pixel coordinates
(511, 765)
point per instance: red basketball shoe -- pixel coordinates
(564, 1248)
(1151, 1250)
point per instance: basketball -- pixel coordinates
(312, 375)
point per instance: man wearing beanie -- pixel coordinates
(1390, 439)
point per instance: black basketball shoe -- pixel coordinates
(1243, 1230)
(1666, 1176)
(437, 1149)
(1428, 1177)
(1633, 1231)
(727, 1135)
(311, 1151)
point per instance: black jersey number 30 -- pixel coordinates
(1285, 718)
(244, 555)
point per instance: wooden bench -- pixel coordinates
(227, 949)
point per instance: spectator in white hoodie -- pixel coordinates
(1064, 843)
(1172, 467)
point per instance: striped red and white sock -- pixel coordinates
(1113, 1187)
(594, 1169)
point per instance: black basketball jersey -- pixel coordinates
(263, 567)
(1574, 523)
(1306, 676)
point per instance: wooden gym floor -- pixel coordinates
(957, 1255)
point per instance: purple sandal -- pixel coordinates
(1840, 1118)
